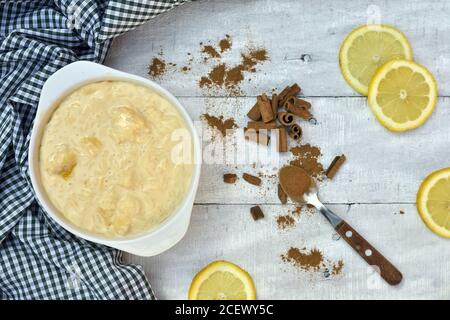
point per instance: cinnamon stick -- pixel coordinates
(282, 95)
(334, 166)
(255, 136)
(296, 129)
(257, 125)
(256, 213)
(229, 178)
(265, 108)
(295, 132)
(298, 107)
(293, 91)
(274, 103)
(303, 103)
(254, 113)
(286, 118)
(281, 139)
(252, 179)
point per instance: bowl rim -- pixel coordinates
(104, 73)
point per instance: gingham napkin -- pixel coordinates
(38, 258)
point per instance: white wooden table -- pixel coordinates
(380, 178)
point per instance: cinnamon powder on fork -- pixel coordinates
(294, 181)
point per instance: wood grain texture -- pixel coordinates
(380, 177)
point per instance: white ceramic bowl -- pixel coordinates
(63, 82)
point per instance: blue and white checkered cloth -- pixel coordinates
(38, 258)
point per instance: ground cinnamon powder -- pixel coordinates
(337, 268)
(285, 222)
(221, 75)
(302, 209)
(297, 211)
(157, 67)
(220, 123)
(230, 78)
(225, 43)
(312, 260)
(210, 51)
(307, 157)
(307, 260)
(215, 77)
(251, 59)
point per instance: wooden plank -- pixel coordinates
(289, 29)
(229, 232)
(381, 167)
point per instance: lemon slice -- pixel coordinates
(433, 202)
(402, 95)
(222, 280)
(366, 49)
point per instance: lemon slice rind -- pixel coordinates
(349, 41)
(222, 266)
(388, 122)
(422, 199)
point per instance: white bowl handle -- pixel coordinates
(63, 81)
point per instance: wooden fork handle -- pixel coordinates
(372, 256)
